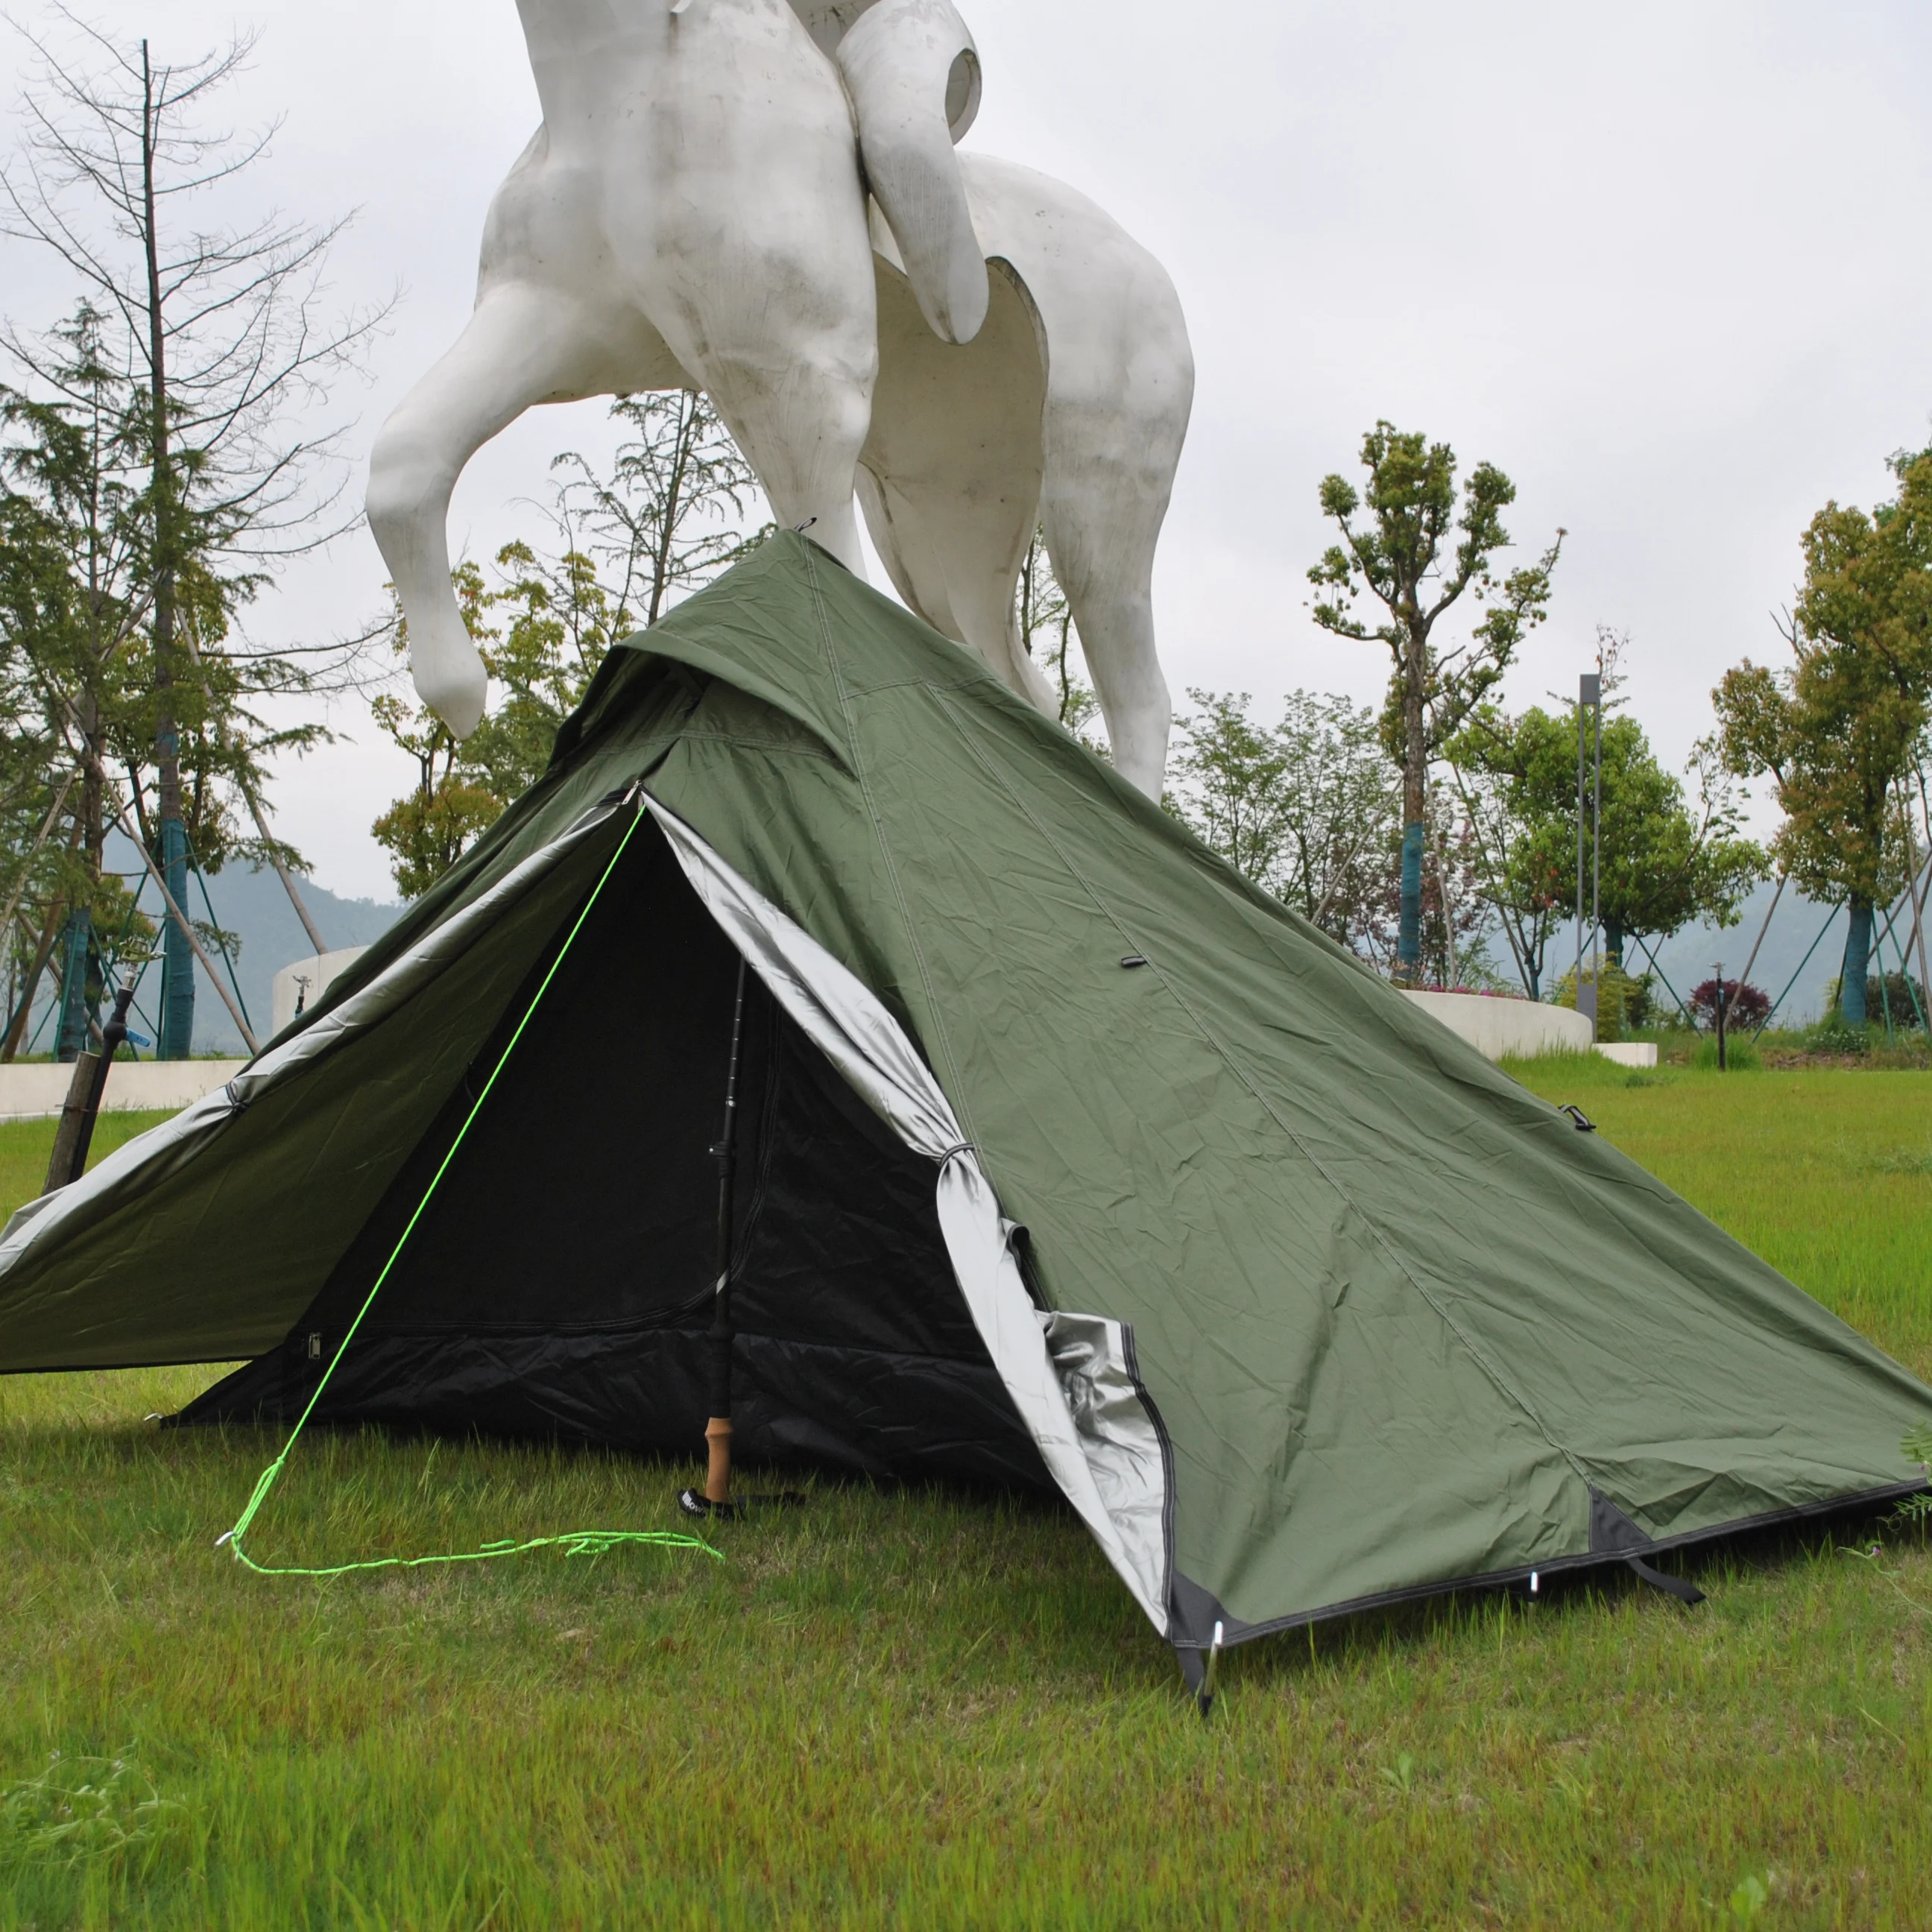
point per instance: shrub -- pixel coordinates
(1619, 997)
(1640, 1012)
(1746, 1007)
(1898, 994)
(1832, 1034)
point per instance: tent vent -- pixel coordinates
(1134, 959)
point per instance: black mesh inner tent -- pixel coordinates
(559, 1283)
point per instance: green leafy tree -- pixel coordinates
(1842, 727)
(48, 876)
(1665, 863)
(1417, 555)
(1307, 809)
(1226, 779)
(1310, 810)
(432, 824)
(76, 610)
(666, 520)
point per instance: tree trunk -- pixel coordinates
(177, 1028)
(71, 1028)
(80, 1004)
(1414, 785)
(1857, 965)
(44, 951)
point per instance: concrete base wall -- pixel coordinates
(1630, 1052)
(1495, 1027)
(133, 1086)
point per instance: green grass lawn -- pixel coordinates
(940, 1710)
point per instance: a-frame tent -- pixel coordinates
(1068, 1157)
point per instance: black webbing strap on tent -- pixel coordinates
(1681, 1588)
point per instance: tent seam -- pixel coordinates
(1234, 1063)
(936, 1019)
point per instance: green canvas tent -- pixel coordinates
(1070, 1158)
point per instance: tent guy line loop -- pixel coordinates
(572, 1543)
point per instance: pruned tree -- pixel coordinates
(1841, 729)
(193, 372)
(1396, 558)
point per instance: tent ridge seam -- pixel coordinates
(936, 1018)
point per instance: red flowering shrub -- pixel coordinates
(1745, 1005)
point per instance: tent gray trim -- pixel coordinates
(1079, 1404)
(163, 1149)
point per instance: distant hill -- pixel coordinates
(1690, 957)
(250, 904)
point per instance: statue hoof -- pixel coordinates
(456, 693)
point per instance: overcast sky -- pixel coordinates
(1666, 265)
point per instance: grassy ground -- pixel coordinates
(940, 1710)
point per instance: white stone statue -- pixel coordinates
(976, 349)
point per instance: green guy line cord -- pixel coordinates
(576, 1543)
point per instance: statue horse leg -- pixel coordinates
(1120, 385)
(547, 328)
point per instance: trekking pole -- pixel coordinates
(717, 1430)
(111, 1035)
(716, 1498)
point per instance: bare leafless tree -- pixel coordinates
(670, 514)
(227, 349)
